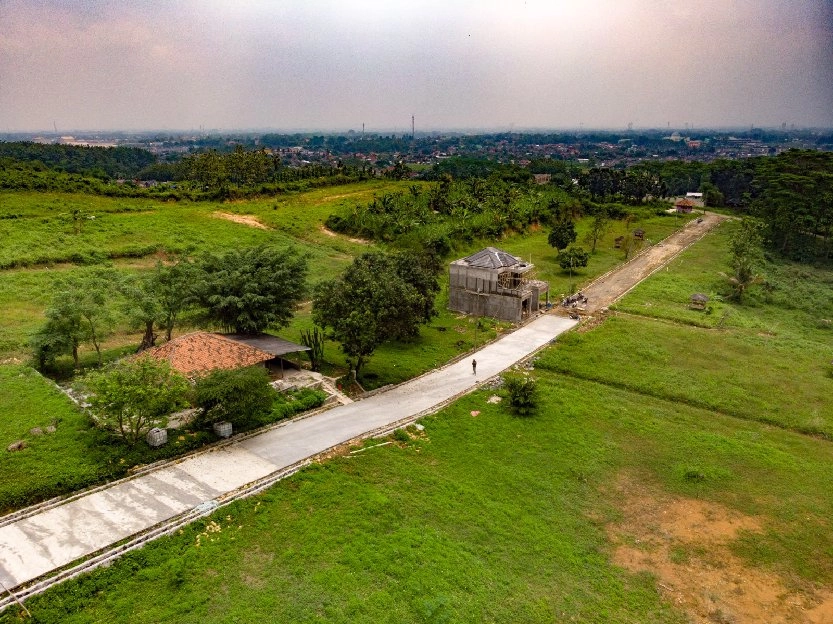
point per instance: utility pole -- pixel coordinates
(412, 128)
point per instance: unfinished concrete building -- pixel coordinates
(494, 283)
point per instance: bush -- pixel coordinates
(134, 395)
(522, 391)
(242, 397)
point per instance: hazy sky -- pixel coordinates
(464, 64)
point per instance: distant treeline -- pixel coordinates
(97, 162)
(792, 193)
(130, 172)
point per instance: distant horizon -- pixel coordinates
(51, 132)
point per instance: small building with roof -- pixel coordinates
(684, 206)
(494, 283)
(199, 353)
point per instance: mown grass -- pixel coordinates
(480, 521)
(793, 299)
(783, 381)
(490, 518)
(496, 518)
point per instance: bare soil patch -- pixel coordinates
(686, 543)
(329, 232)
(249, 220)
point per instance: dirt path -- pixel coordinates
(614, 284)
(249, 220)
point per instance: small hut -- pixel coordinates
(699, 301)
(639, 234)
(684, 206)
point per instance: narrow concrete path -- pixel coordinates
(41, 543)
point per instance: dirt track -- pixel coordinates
(613, 285)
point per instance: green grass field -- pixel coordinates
(495, 518)
(491, 518)
(134, 234)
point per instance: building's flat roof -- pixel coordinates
(268, 343)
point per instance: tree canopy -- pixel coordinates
(247, 291)
(563, 234)
(379, 297)
(135, 395)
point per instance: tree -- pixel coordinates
(78, 314)
(173, 284)
(573, 258)
(598, 228)
(241, 397)
(746, 255)
(141, 306)
(247, 291)
(135, 395)
(379, 297)
(155, 300)
(630, 245)
(562, 235)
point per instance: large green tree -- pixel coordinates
(563, 234)
(746, 256)
(155, 300)
(379, 297)
(247, 291)
(241, 397)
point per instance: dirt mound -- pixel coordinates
(685, 543)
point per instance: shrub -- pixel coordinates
(522, 391)
(242, 397)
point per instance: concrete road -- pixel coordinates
(43, 542)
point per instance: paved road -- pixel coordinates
(41, 543)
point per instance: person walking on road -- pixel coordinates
(474, 367)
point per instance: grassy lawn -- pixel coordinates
(495, 518)
(779, 380)
(28, 401)
(491, 518)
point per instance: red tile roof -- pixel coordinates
(685, 202)
(202, 352)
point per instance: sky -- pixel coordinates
(453, 64)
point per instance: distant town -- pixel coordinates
(379, 150)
